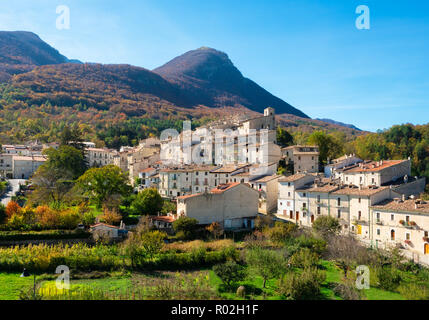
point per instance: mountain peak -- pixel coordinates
(210, 74)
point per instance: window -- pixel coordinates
(359, 200)
(392, 234)
(378, 216)
(318, 210)
(392, 217)
(407, 236)
(288, 204)
(304, 205)
(339, 201)
(359, 215)
(407, 218)
(304, 194)
(378, 232)
(339, 214)
(426, 234)
(288, 194)
(318, 198)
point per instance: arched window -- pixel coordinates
(392, 234)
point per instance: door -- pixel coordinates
(426, 248)
(297, 216)
(392, 234)
(312, 218)
(359, 229)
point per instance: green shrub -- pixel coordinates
(268, 264)
(304, 258)
(348, 291)
(185, 227)
(388, 278)
(229, 272)
(302, 286)
(326, 226)
(414, 291)
(43, 235)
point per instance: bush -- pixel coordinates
(347, 291)
(12, 208)
(185, 227)
(302, 286)
(43, 235)
(268, 264)
(147, 202)
(281, 231)
(326, 226)
(414, 291)
(304, 258)
(388, 278)
(111, 217)
(229, 272)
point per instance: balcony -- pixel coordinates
(409, 224)
(360, 222)
(379, 222)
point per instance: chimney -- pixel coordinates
(403, 197)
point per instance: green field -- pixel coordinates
(124, 283)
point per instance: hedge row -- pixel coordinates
(43, 235)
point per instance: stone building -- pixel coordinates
(303, 158)
(232, 205)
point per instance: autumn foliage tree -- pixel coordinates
(12, 208)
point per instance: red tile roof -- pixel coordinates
(374, 166)
(224, 187)
(163, 218)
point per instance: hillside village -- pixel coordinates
(376, 201)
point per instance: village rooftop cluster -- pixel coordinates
(376, 201)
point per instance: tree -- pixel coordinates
(12, 208)
(168, 207)
(281, 231)
(148, 202)
(229, 272)
(72, 136)
(329, 146)
(67, 159)
(152, 242)
(326, 226)
(98, 184)
(111, 217)
(263, 221)
(284, 138)
(51, 184)
(186, 226)
(304, 286)
(268, 264)
(215, 229)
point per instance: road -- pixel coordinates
(14, 184)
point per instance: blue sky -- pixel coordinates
(307, 52)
